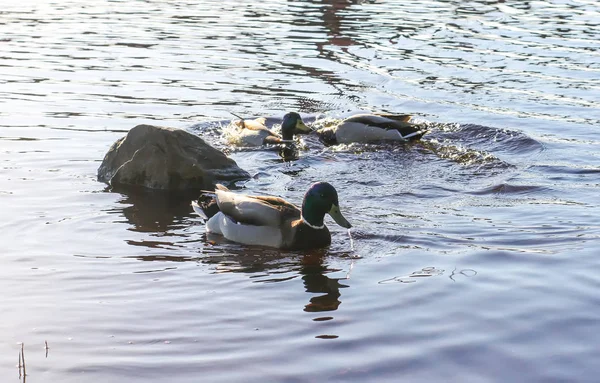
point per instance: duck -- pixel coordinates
(271, 221)
(371, 128)
(255, 132)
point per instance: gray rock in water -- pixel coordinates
(166, 158)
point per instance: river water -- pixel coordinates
(474, 255)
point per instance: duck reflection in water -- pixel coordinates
(313, 273)
(271, 265)
(288, 152)
(155, 212)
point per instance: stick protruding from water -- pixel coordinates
(22, 371)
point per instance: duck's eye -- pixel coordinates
(322, 195)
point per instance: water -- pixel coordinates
(474, 252)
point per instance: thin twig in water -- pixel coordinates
(19, 364)
(47, 348)
(23, 358)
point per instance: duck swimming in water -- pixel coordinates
(372, 128)
(255, 132)
(272, 221)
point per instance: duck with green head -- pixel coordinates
(272, 221)
(256, 133)
(367, 128)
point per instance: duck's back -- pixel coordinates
(371, 127)
(256, 210)
(250, 132)
(386, 121)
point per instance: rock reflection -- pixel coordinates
(155, 211)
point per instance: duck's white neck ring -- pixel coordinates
(311, 226)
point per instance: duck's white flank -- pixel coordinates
(348, 132)
(248, 137)
(245, 234)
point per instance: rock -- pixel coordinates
(166, 158)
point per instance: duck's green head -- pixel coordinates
(293, 124)
(320, 199)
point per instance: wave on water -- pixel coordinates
(508, 189)
(450, 152)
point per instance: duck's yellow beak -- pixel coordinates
(301, 126)
(337, 216)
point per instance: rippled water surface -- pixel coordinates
(474, 254)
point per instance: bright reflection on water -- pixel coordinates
(474, 251)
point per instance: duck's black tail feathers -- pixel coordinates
(206, 206)
(327, 136)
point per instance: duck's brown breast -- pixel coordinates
(302, 236)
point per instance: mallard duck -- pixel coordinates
(272, 221)
(255, 132)
(370, 128)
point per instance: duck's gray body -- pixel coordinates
(264, 221)
(255, 133)
(252, 133)
(371, 128)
